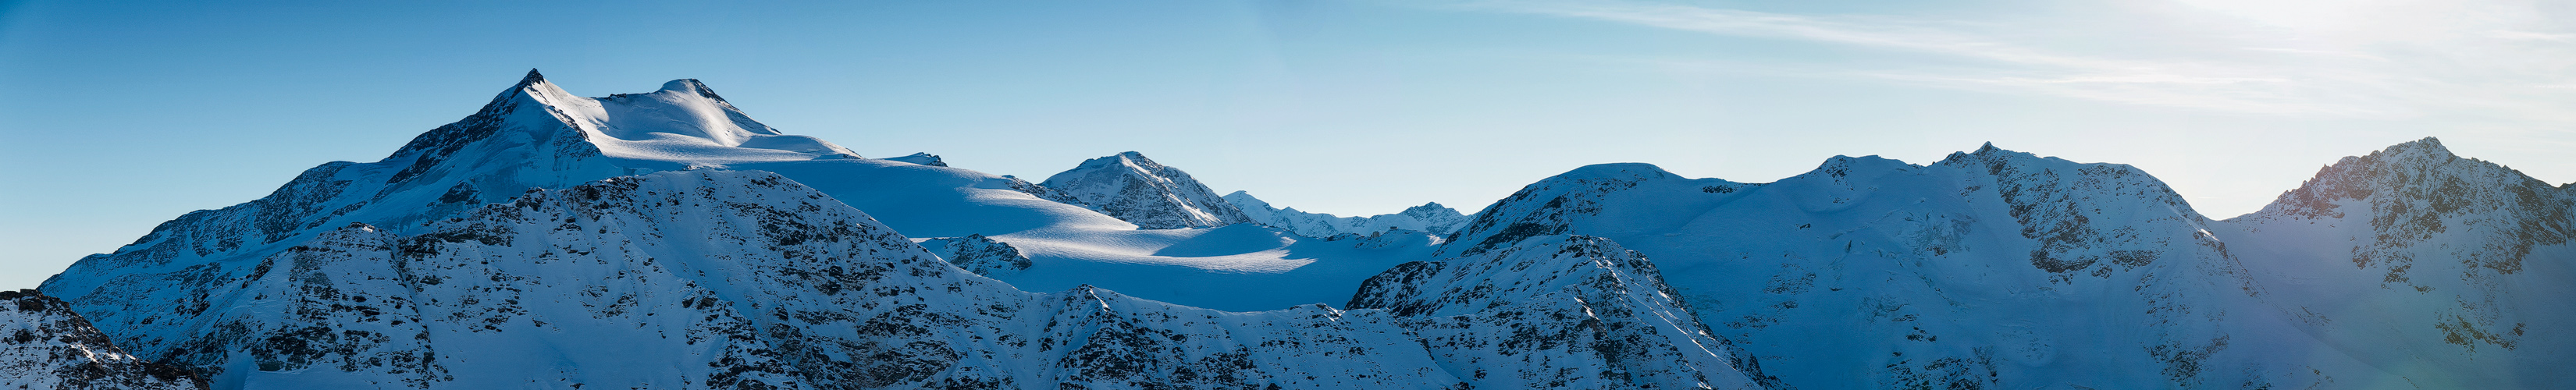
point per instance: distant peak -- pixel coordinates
(1622, 171)
(1989, 148)
(684, 85)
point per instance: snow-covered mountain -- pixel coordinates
(2442, 270)
(2001, 269)
(1429, 217)
(737, 279)
(535, 244)
(1153, 196)
(666, 240)
(44, 345)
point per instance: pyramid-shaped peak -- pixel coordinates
(533, 77)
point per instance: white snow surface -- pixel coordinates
(1429, 217)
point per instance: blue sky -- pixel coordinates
(121, 114)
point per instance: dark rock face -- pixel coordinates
(1150, 195)
(982, 256)
(44, 345)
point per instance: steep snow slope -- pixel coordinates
(1429, 217)
(2445, 271)
(1134, 188)
(1993, 269)
(44, 345)
(737, 279)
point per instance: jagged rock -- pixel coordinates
(44, 345)
(979, 255)
(1523, 315)
(1152, 196)
(1429, 217)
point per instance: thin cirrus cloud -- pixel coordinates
(2490, 66)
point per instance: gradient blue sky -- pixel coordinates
(121, 114)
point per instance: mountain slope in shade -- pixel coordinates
(1430, 217)
(1153, 196)
(1992, 269)
(44, 345)
(2447, 271)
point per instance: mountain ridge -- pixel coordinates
(547, 219)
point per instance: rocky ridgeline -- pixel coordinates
(1430, 217)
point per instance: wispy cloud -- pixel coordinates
(2341, 80)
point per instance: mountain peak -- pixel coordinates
(691, 86)
(2427, 147)
(532, 78)
(1136, 189)
(1617, 171)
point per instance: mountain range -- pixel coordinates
(667, 240)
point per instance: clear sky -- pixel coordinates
(120, 115)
